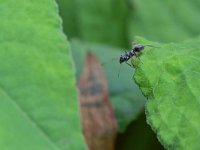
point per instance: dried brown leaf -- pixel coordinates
(97, 116)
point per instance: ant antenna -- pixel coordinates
(119, 70)
(151, 46)
(135, 43)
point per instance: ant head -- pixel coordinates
(138, 48)
(122, 59)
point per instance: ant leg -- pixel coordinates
(129, 64)
(135, 55)
(119, 70)
(134, 66)
(139, 59)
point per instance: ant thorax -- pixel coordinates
(129, 54)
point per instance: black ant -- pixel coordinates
(128, 55)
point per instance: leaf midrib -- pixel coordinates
(32, 122)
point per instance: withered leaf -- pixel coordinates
(97, 116)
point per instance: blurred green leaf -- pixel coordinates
(69, 13)
(126, 98)
(38, 107)
(165, 21)
(102, 21)
(138, 136)
(117, 22)
(170, 78)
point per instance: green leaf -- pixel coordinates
(169, 76)
(125, 96)
(138, 136)
(117, 22)
(38, 102)
(101, 21)
(69, 14)
(165, 21)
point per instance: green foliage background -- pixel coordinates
(38, 96)
(115, 24)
